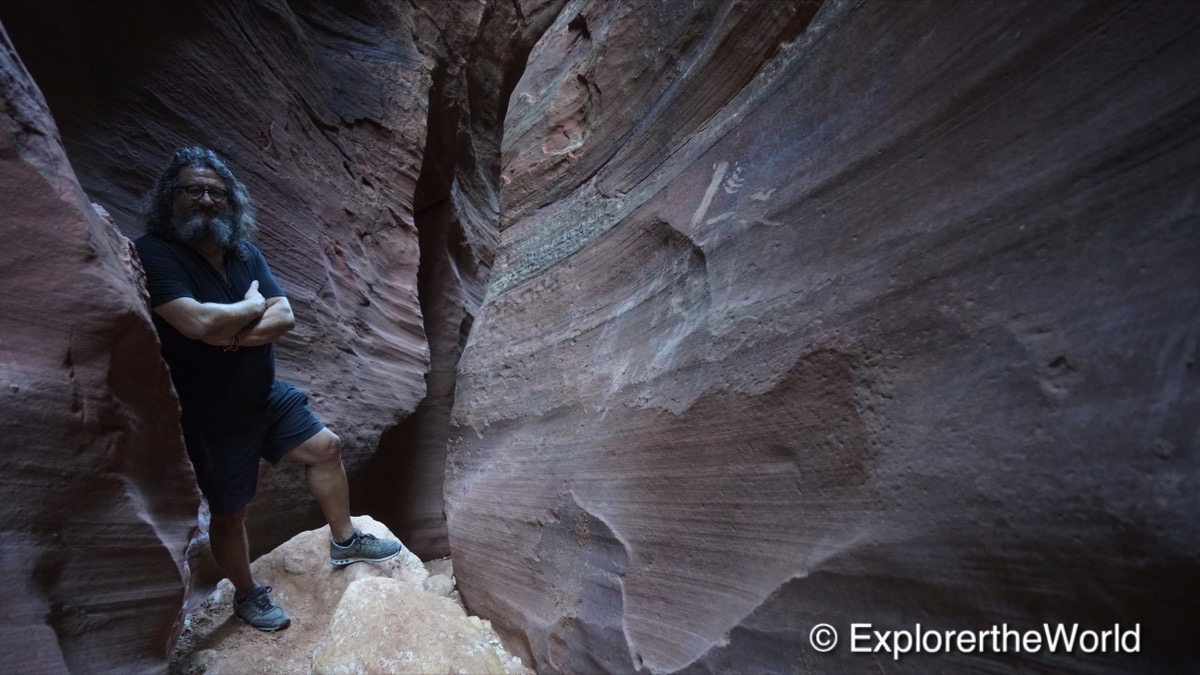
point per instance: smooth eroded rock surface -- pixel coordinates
(321, 111)
(362, 618)
(306, 585)
(369, 134)
(872, 312)
(798, 312)
(386, 626)
(456, 214)
(98, 501)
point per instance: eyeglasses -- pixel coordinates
(195, 192)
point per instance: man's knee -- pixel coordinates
(331, 448)
(324, 448)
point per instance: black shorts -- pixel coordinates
(227, 464)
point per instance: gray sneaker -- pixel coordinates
(363, 548)
(260, 611)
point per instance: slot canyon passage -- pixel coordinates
(682, 327)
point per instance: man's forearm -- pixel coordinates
(276, 321)
(224, 321)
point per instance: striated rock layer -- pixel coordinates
(456, 207)
(883, 313)
(321, 111)
(369, 133)
(98, 497)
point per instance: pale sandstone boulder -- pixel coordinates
(306, 585)
(439, 584)
(386, 626)
(442, 566)
(373, 618)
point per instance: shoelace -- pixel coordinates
(359, 538)
(263, 601)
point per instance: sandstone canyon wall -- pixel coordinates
(774, 313)
(872, 312)
(322, 111)
(325, 111)
(98, 500)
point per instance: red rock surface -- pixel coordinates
(890, 317)
(98, 498)
(354, 127)
(321, 112)
(866, 311)
(456, 213)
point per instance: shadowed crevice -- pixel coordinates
(456, 215)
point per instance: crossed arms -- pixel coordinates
(253, 321)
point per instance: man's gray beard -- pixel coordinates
(201, 233)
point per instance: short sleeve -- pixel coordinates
(166, 279)
(266, 281)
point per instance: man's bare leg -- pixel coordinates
(321, 456)
(227, 535)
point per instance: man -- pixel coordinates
(218, 310)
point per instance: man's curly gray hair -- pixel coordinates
(157, 214)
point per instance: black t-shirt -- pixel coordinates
(219, 391)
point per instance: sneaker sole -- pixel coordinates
(347, 561)
(266, 630)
